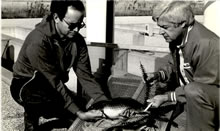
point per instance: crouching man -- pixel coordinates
(194, 68)
(43, 64)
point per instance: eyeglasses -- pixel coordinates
(72, 26)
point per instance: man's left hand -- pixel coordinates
(90, 115)
(158, 100)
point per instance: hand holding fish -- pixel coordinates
(158, 100)
(90, 115)
(152, 77)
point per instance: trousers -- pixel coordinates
(39, 98)
(202, 107)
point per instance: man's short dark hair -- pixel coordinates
(60, 7)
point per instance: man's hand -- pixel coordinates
(153, 77)
(90, 115)
(158, 100)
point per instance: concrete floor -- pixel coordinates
(11, 112)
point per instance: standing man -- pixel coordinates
(194, 69)
(43, 64)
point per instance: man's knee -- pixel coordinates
(193, 90)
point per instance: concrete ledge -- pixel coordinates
(16, 41)
(6, 75)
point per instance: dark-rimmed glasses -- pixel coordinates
(72, 26)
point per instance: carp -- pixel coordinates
(125, 113)
(119, 108)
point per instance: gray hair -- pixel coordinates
(174, 12)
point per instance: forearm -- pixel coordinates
(92, 88)
(86, 78)
(177, 95)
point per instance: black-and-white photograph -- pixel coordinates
(110, 65)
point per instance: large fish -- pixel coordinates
(127, 112)
(118, 108)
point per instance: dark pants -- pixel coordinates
(202, 104)
(38, 99)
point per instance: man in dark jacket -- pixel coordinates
(194, 69)
(48, 53)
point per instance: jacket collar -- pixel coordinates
(188, 38)
(47, 27)
(185, 40)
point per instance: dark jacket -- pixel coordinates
(43, 51)
(201, 55)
